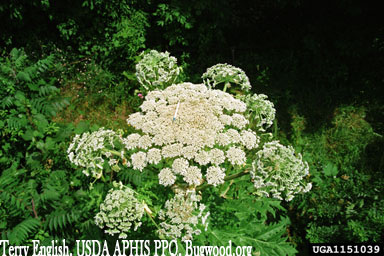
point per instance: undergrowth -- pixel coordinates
(345, 201)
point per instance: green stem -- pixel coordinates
(227, 84)
(237, 175)
(275, 128)
(230, 177)
(153, 221)
(96, 179)
(149, 213)
(113, 152)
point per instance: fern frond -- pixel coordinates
(7, 70)
(15, 206)
(131, 177)
(21, 232)
(5, 234)
(49, 195)
(24, 76)
(45, 64)
(86, 225)
(18, 57)
(58, 220)
(9, 177)
(56, 105)
(39, 104)
(14, 122)
(48, 90)
(49, 107)
(7, 102)
(6, 180)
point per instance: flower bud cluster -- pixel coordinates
(225, 73)
(259, 110)
(157, 70)
(193, 130)
(183, 216)
(120, 212)
(90, 150)
(278, 172)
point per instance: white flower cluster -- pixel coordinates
(120, 211)
(191, 133)
(225, 73)
(182, 216)
(195, 128)
(90, 150)
(157, 69)
(278, 172)
(260, 110)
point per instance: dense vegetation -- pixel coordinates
(68, 67)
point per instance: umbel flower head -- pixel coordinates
(120, 212)
(227, 74)
(157, 70)
(278, 172)
(190, 128)
(183, 216)
(259, 110)
(90, 150)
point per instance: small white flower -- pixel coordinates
(172, 150)
(260, 110)
(180, 166)
(145, 142)
(215, 175)
(166, 177)
(118, 217)
(156, 69)
(222, 139)
(139, 160)
(181, 214)
(90, 150)
(307, 187)
(226, 119)
(154, 156)
(222, 73)
(189, 152)
(278, 171)
(249, 139)
(236, 156)
(132, 141)
(203, 157)
(193, 176)
(216, 156)
(239, 121)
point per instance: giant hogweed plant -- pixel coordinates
(206, 151)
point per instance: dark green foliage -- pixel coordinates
(37, 195)
(16, 80)
(28, 100)
(23, 229)
(110, 31)
(344, 204)
(257, 222)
